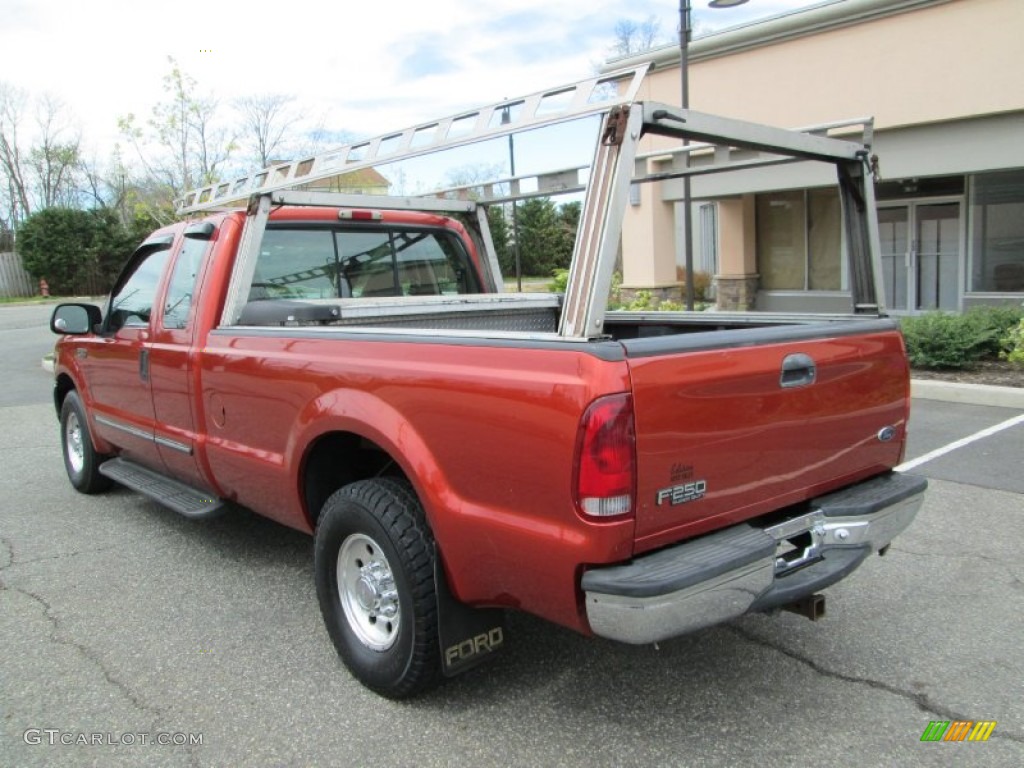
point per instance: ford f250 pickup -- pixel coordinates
(350, 367)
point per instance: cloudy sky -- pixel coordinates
(365, 68)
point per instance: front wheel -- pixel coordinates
(81, 461)
(374, 564)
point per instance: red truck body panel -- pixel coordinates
(720, 418)
(481, 431)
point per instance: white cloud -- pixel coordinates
(412, 61)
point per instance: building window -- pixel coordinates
(799, 240)
(997, 232)
(709, 238)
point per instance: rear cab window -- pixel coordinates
(340, 262)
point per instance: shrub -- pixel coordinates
(1013, 345)
(994, 323)
(560, 281)
(937, 340)
(701, 283)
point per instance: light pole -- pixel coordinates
(506, 118)
(684, 76)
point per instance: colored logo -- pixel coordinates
(958, 730)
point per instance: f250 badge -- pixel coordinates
(683, 493)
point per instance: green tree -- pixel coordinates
(75, 251)
(500, 236)
(546, 235)
(568, 223)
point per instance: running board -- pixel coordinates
(183, 499)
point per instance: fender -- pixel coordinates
(468, 636)
(73, 373)
(363, 414)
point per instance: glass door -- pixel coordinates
(937, 256)
(921, 245)
(894, 229)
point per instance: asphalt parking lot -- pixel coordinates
(123, 624)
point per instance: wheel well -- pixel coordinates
(63, 385)
(337, 459)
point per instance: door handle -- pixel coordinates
(144, 365)
(798, 370)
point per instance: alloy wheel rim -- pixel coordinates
(73, 442)
(368, 594)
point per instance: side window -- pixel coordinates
(132, 304)
(295, 264)
(183, 282)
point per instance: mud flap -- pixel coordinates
(469, 636)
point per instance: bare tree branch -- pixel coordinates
(266, 122)
(12, 108)
(632, 38)
(54, 159)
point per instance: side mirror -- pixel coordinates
(75, 319)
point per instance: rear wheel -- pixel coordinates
(375, 583)
(81, 461)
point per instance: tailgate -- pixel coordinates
(734, 424)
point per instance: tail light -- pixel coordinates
(605, 483)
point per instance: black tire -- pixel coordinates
(81, 461)
(374, 565)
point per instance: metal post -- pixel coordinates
(684, 69)
(506, 118)
(515, 215)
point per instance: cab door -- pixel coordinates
(117, 365)
(171, 359)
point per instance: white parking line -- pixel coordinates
(938, 452)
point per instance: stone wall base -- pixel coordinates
(672, 292)
(737, 293)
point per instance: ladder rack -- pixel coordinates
(555, 105)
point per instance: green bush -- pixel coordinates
(560, 281)
(701, 283)
(938, 340)
(75, 251)
(994, 323)
(1013, 344)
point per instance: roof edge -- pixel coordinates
(824, 17)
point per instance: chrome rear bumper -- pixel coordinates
(745, 569)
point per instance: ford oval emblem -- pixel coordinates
(886, 434)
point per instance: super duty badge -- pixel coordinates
(683, 493)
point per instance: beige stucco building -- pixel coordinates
(944, 82)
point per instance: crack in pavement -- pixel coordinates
(62, 555)
(920, 700)
(9, 546)
(84, 651)
(1007, 564)
(958, 555)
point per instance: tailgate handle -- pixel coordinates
(798, 370)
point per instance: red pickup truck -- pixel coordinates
(355, 372)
